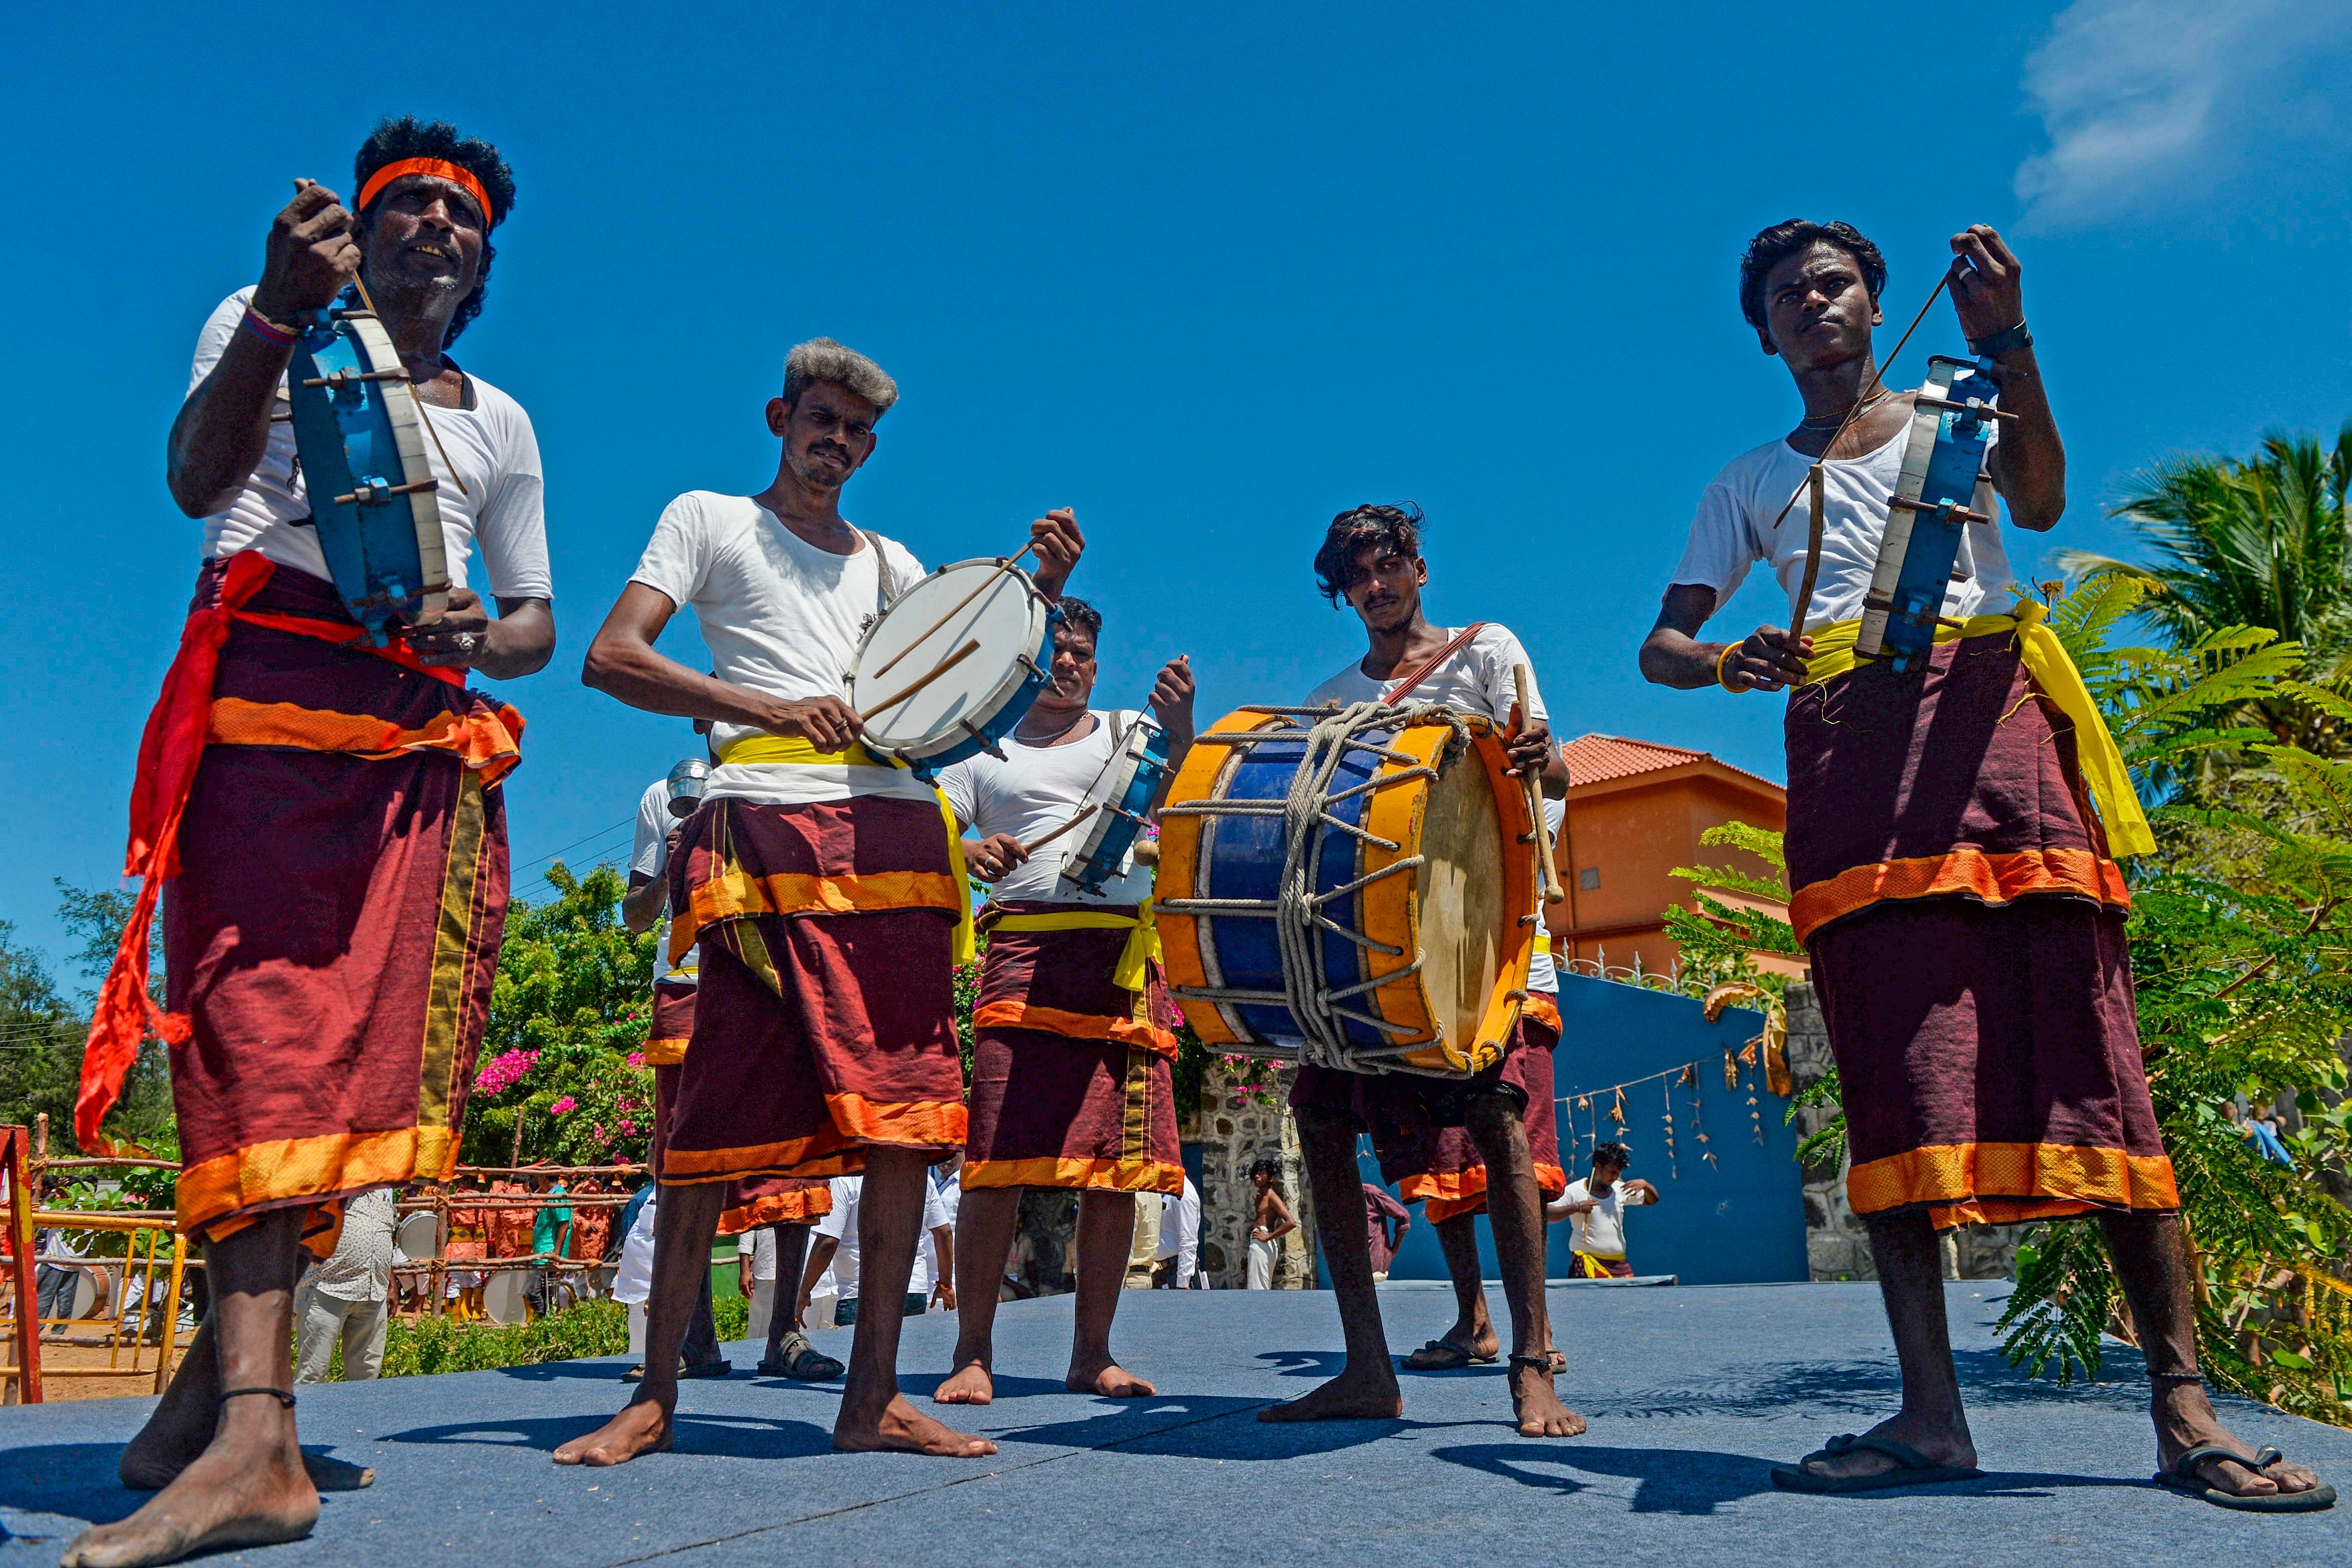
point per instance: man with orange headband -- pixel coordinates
(329, 817)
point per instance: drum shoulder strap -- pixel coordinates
(886, 581)
(1398, 694)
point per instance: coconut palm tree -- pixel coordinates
(2259, 543)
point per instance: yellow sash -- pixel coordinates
(795, 751)
(2055, 676)
(1142, 942)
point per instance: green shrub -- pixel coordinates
(418, 1346)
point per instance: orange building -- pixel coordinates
(1635, 812)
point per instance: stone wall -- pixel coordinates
(1837, 1245)
(1236, 1131)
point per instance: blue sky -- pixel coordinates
(1209, 278)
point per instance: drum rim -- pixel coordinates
(1189, 940)
(1042, 611)
(360, 335)
(1134, 753)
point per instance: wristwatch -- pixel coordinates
(2001, 342)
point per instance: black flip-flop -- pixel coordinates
(720, 1368)
(2183, 1478)
(1914, 1468)
(1443, 1355)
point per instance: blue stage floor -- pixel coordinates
(1692, 1393)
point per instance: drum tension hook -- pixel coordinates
(336, 381)
(382, 494)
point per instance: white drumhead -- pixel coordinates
(415, 1238)
(1108, 788)
(1007, 617)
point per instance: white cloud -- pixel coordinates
(2149, 103)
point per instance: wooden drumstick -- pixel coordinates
(941, 668)
(1034, 845)
(1812, 559)
(1547, 873)
(1002, 568)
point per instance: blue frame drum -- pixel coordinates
(1121, 809)
(930, 700)
(1943, 488)
(371, 487)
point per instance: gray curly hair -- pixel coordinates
(822, 360)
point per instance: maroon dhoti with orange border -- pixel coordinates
(824, 1020)
(332, 931)
(1419, 1123)
(750, 1204)
(1452, 1178)
(1072, 1075)
(1966, 927)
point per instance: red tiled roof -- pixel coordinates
(1598, 758)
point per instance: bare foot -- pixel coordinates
(967, 1384)
(902, 1428)
(1941, 1445)
(643, 1427)
(1541, 1415)
(2185, 1419)
(1353, 1395)
(236, 1494)
(1109, 1379)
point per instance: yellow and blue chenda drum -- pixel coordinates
(1354, 888)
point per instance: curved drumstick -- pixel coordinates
(1548, 874)
(1002, 568)
(941, 668)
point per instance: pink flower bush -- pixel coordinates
(503, 1072)
(636, 1059)
(565, 1103)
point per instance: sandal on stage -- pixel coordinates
(802, 1362)
(1443, 1355)
(1914, 1468)
(1558, 1362)
(2183, 1478)
(720, 1368)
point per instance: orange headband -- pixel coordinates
(457, 174)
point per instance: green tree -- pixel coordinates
(563, 1054)
(2260, 543)
(42, 1033)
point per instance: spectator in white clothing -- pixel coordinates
(1180, 1241)
(829, 1286)
(1595, 1208)
(347, 1300)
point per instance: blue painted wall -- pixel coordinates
(1738, 1220)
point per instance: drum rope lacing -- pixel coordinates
(1297, 910)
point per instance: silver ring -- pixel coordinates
(465, 641)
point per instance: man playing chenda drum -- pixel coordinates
(1372, 558)
(329, 818)
(1954, 888)
(819, 880)
(1073, 1033)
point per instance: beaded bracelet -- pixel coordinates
(268, 331)
(1722, 659)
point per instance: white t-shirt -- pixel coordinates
(1543, 975)
(649, 856)
(841, 1278)
(1474, 678)
(1729, 532)
(759, 1245)
(780, 616)
(1033, 790)
(492, 446)
(1601, 1231)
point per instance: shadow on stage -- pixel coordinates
(1697, 1482)
(77, 1481)
(1830, 1389)
(728, 1436)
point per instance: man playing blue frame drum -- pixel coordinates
(820, 880)
(320, 807)
(1372, 558)
(1074, 1041)
(1956, 892)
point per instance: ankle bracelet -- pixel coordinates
(2176, 1377)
